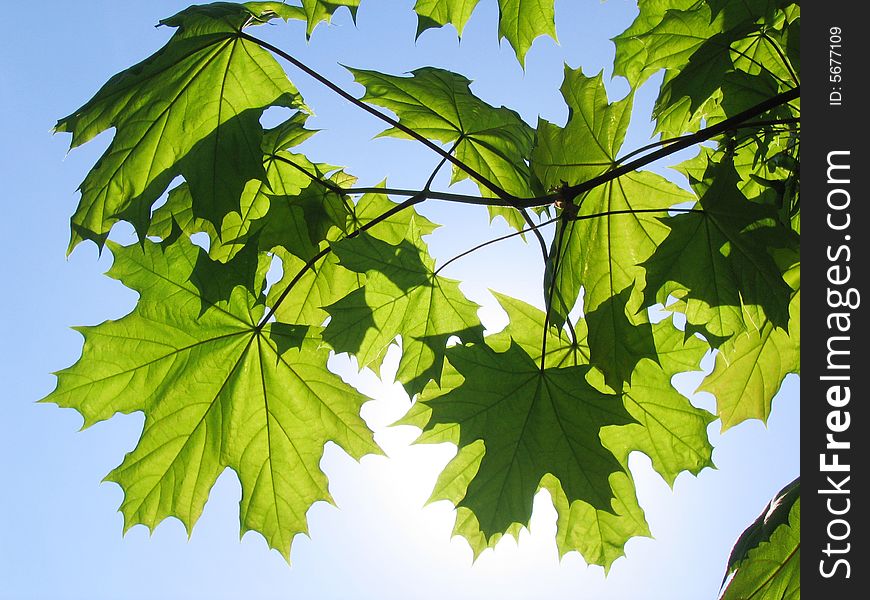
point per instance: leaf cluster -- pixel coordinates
(230, 371)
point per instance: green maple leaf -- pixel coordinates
(751, 365)
(519, 21)
(589, 143)
(438, 104)
(191, 109)
(318, 11)
(218, 390)
(668, 429)
(402, 295)
(616, 228)
(664, 35)
(600, 253)
(287, 210)
(717, 261)
(532, 422)
(766, 559)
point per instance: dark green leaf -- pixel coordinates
(532, 422)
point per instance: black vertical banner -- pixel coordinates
(835, 359)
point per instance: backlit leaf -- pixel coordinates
(718, 260)
(772, 568)
(519, 21)
(439, 104)
(217, 391)
(532, 422)
(402, 295)
(191, 109)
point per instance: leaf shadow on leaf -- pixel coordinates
(215, 184)
(532, 423)
(616, 344)
(437, 344)
(350, 339)
(720, 255)
(401, 263)
(215, 281)
(287, 336)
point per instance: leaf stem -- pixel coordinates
(785, 61)
(568, 193)
(322, 253)
(548, 306)
(495, 189)
(665, 142)
(494, 240)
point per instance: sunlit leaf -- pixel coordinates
(191, 109)
(519, 21)
(217, 391)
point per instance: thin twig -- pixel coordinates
(495, 240)
(495, 189)
(314, 259)
(665, 142)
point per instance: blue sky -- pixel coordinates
(60, 532)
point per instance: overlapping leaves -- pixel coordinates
(706, 48)
(402, 295)
(438, 104)
(230, 372)
(218, 390)
(191, 109)
(616, 226)
(663, 424)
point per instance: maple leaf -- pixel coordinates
(766, 559)
(402, 295)
(717, 261)
(218, 390)
(438, 104)
(751, 366)
(519, 21)
(668, 429)
(532, 422)
(190, 109)
(616, 227)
